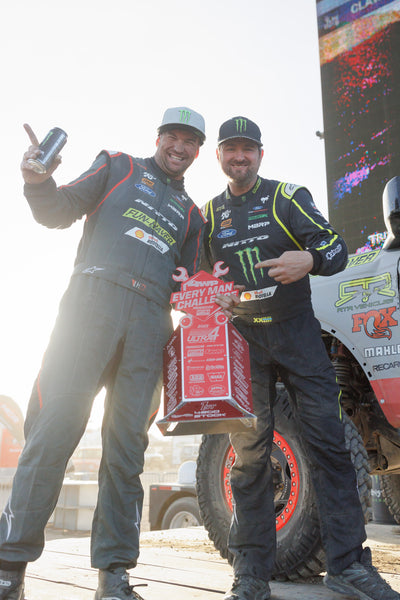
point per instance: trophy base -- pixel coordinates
(189, 427)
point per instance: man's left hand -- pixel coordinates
(291, 266)
(228, 302)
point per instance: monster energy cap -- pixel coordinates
(181, 116)
(239, 127)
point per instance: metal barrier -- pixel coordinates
(77, 499)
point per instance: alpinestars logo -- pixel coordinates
(185, 116)
(241, 125)
(9, 516)
(248, 258)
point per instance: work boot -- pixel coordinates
(246, 587)
(361, 580)
(114, 585)
(12, 584)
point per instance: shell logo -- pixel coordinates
(247, 296)
(139, 234)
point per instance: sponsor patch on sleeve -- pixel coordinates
(290, 189)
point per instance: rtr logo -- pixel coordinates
(376, 323)
(365, 287)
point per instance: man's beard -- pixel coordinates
(243, 177)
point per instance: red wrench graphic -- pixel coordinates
(183, 274)
(218, 271)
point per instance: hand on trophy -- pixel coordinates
(228, 302)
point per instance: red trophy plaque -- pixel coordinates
(207, 386)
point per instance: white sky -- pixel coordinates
(105, 72)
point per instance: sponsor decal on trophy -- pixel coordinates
(207, 386)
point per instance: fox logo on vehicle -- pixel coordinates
(376, 323)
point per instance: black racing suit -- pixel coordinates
(285, 341)
(113, 323)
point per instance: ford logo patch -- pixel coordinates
(226, 233)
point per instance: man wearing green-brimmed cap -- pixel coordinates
(183, 117)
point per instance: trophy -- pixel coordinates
(207, 386)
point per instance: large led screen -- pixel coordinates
(360, 73)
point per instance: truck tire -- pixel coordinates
(359, 458)
(183, 512)
(390, 486)
(299, 546)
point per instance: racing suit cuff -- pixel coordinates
(317, 261)
(35, 189)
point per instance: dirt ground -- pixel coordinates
(384, 541)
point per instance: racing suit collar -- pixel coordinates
(177, 184)
(239, 200)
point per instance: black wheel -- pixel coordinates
(390, 486)
(183, 512)
(299, 546)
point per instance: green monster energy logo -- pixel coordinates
(248, 258)
(241, 125)
(185, 116)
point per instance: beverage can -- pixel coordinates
(52, 144)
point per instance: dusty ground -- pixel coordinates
(384, 541)
(182, 563)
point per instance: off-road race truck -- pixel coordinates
(359, 314)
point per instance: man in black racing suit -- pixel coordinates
(113, 323)
(272, 236)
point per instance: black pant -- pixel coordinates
(294, 348)
(106, 335)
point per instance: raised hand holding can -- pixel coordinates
(41, 160)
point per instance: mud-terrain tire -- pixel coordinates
(390, 486)
(299, 548)
(359, 458)
(183, 512)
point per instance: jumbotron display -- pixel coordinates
(360, 73)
